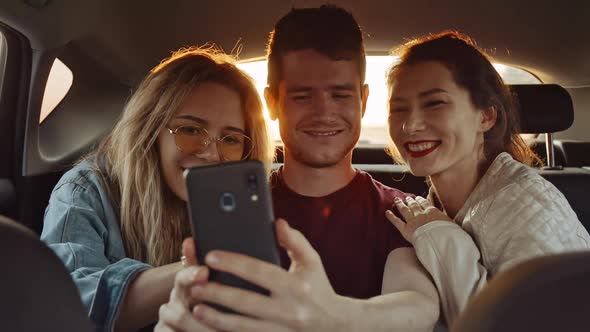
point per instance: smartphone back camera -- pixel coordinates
(227, 202)
(252, 185)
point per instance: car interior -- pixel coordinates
(27, 256)
(540, 285)
(105, 47)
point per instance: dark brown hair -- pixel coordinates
(328, 30)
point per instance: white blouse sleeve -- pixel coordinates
(453, 260)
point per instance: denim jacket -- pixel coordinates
(81, 226)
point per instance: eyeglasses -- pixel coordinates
(194, 139)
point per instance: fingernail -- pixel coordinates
(197, 290)
(212, 258)
(397, 200)
(198, 312)
(408, 198)
(195, 273)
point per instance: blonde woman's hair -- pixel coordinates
(153, 220)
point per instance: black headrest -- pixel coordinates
(38, 293)
(544, 108)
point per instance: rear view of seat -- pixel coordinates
(545, 294)
(568, 153)
(37, 293)
(574, 184)
(540, 148)
(549, 109)
(576, 153)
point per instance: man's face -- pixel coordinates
(319, 104)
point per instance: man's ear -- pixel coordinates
(488, 118)
(364, 97)
(271, 103)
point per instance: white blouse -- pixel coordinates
(512, 215)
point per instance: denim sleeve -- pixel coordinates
(76, 230)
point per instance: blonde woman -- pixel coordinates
(117, 219)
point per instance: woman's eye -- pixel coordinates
(434, 103)
(397, 109)
(191, 130)
(232, 140)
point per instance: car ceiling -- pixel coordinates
(127, 38)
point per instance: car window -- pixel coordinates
(3, 50)
(374, 124)
(58, 84)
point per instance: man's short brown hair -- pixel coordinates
(328, 30)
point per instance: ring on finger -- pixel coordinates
(424, 203)
(413, 204)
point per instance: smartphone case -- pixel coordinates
(248, 228)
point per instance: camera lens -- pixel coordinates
(227, 202)
(252, 187)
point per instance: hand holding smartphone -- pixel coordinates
(230, 209)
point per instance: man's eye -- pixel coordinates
(300, 97)
(434, 103)
(342, 96)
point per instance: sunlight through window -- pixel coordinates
(58, 84)
(374, 124)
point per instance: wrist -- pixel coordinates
(347, 313)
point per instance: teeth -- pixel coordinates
(421, 146)
(315, 133)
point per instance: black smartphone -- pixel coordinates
(230, 209)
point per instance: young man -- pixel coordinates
(340, 239)
(316, 73)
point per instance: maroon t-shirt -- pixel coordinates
(347, 228)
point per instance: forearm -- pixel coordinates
(454, 262)
(146, 293)
(409, 300)
(400, 311)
